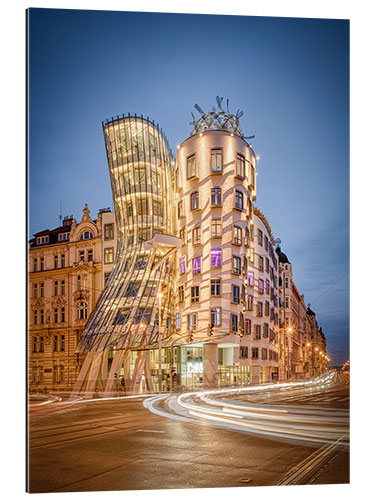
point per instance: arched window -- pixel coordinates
(82, 310)
(86, 235)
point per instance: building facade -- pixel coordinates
(198, 293)
(66, 277)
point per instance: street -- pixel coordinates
(296, 434)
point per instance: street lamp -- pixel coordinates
(160, 295)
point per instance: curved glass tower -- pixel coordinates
(127, 313)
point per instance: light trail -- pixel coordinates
(309, 425)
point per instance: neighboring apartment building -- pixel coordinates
(300, 340)
(66, 267)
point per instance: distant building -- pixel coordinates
(66, 276)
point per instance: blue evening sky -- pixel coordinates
(289, 76)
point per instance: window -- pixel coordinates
(108, 255)
(216, 257)
(196, 265)
(265, 330)
(156, 208)
(35, 317)
(56, 261)
(109, 231)
(250, 207)
(267, 308)
(42, 263)
(216, 316)
(106, 277)
(268, 287)
(141, 262)
(250, 302)
(55, 288)
(244, 352)
(155, 178)
(250, 278)
(35, 290)
(55, 343)
(87, 235)
(55, 315)
(42, 239)
(237, 235)
(240, 165)
(192, 322)
(62, 343)
(78, 282)
(140, 176)
(190, 167)
(247, 237)
(183, 235)
(257, 332)
(178, 321)
(216, 161)
(196, 235)
(35, 265)
(236, 265)
(260, 309)
(41, 344)
(261, 286)
(234, 322)
(181, 293)
(81, 256)
(194, 294)
(129, 209)
(63, 236)
(264, 353)
(182, 265)
(63, 315)
(216, 228)
(266, 243)
(261, 263)
(82, 310)
(34, 343)
(247, 326)
(216, 197)
(260, 238)
(235, 294)
(142, 206)
(63, 260)
(286, 282)
(216, 287)
(194, 201)
(255, 353)
(41, 289)
(238, 200)
(90, 255)
(180, 209)
(287, 302)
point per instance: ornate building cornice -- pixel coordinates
(263, 218)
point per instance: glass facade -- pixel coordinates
(140, 167)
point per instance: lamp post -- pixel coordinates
(159, 339)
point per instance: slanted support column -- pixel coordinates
(210, 358)
(115, 368)
(255, 374)
(83, 373)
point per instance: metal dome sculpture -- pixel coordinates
(218, 119)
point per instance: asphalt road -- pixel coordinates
(120, 445)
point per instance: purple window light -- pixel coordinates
(182, 265)
(251, 278)
(216, 258)
(196, 265)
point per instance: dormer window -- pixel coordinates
(41, 240)
(64, 236)
(87, 235)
